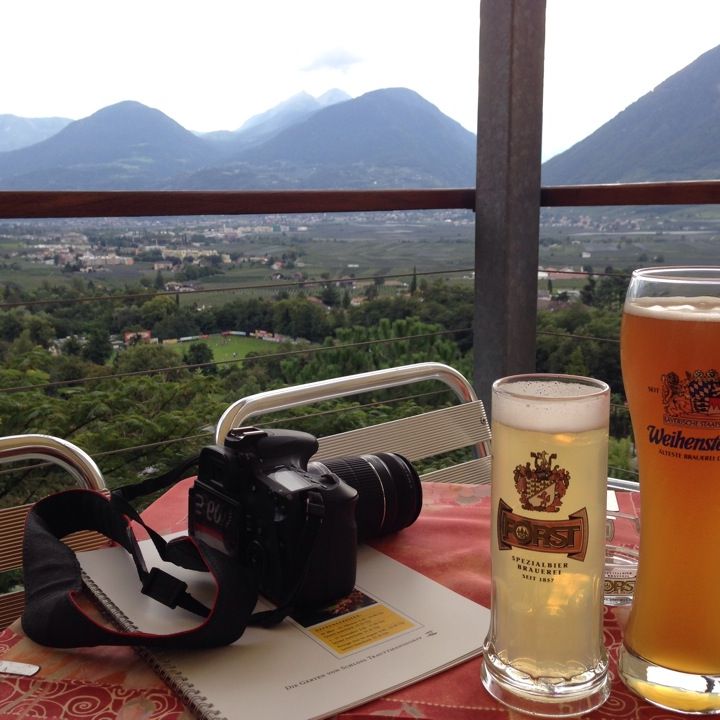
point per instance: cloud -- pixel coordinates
(335, 59)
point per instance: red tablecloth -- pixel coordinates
(449, 542)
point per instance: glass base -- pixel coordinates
(544, 699)
(670, 689)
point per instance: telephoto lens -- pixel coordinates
(388, 486)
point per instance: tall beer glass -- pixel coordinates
(544, 653)
(670, 352)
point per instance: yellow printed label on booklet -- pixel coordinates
(365, 627)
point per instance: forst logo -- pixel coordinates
(541, 487)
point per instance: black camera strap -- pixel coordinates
(315, 515)
(53, 577)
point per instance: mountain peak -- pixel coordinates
(124, 145)
(292, 110)
(385, 138)
(129, 111)
(332, 97)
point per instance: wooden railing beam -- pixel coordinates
(78, 204)
(34, 204)
(681, 192)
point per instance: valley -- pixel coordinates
(204, 259)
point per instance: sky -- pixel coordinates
(212, 64)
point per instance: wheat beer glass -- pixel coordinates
(670, 351)
(544, 653)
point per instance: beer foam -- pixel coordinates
(546, 406)
(702, 308)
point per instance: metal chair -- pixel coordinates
(418, 437)
(12, 519)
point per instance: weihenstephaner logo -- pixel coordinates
(541, 487)
(695, 397)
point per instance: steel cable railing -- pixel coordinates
(277, 422)
(575, 336)
(275, 286)
(215, 363)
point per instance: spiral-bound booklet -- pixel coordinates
(397, 626)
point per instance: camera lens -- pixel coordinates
(389, 490)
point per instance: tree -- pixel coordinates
(330, 295)
(145, 356)
(156, 309)
(299, 318)
(11, 324)
(159, 281)
(182, 323)
(611, 290)
(200, 353)
(587, 294)
(41, 329)
(371, 291)
(72, 346)
(386, 344)
(24, 353)
(72, 367)
(575, 363)
(414, 282)
(620, 463)
(98, 348)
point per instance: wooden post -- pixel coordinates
(512, 41)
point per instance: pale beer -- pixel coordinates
(670, 351)
(544, 652)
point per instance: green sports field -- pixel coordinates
(227, 347)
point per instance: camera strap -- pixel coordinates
(53, 576)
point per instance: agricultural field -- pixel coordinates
(625, 250)
(359, 246)
(629, 238)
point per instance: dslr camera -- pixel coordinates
(295, 522)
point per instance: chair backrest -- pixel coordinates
(12, 519)
(417, 437)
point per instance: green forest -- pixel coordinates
(141, 409)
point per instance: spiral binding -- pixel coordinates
(158, 661)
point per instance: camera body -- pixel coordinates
(255, 499)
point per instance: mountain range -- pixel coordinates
(389, 138)
(386, 138)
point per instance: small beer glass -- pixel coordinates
(544, 653)
(669, 346)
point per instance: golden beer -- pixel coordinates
(670, 352)
(544, 652)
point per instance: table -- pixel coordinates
(449, 543)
